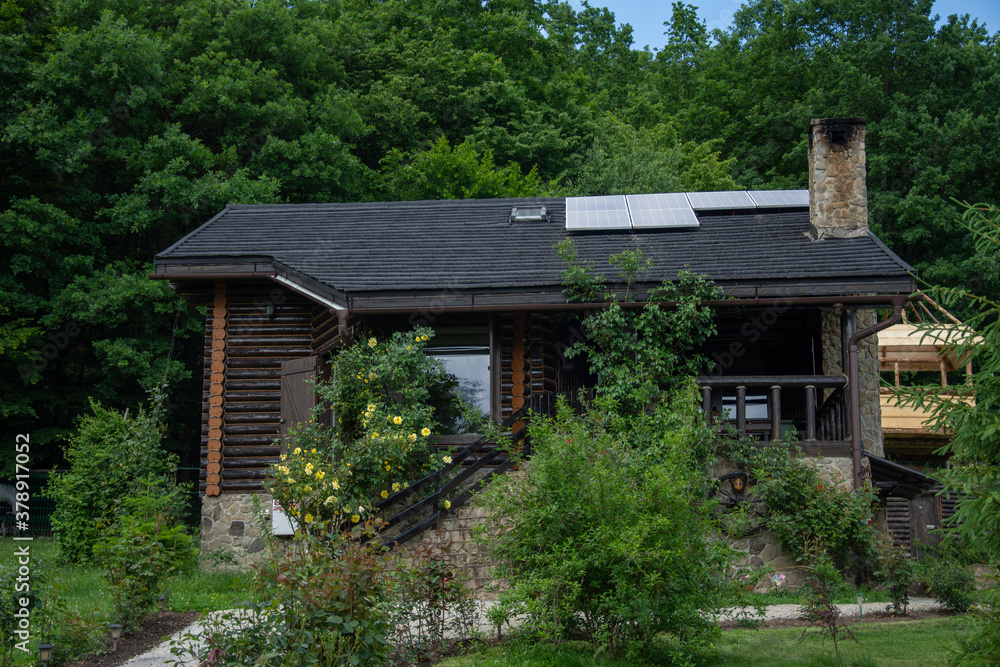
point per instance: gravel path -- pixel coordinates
(159, 656)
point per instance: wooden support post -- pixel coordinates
(741, 410)
(706, 404)
(775, 413)
(810, 412)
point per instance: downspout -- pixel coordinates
(853, 382)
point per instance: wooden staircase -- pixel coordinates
(418, 508)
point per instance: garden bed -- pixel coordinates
(150, 636)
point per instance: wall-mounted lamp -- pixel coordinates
(269, 308)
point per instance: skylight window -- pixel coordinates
(529, 214)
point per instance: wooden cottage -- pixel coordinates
(285, 285)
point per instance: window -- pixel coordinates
(465, 353)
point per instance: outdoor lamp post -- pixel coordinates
(115, 630)
(162, 602)
(861, 610)
(45, 654)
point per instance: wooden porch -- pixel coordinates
(811, 410)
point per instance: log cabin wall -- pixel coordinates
(249, 403)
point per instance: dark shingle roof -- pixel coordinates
(471, 245)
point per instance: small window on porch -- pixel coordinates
(465, 353)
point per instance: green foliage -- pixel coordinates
(626, 159)
(142, 548)
(460, 173)
(821, 581)
(387, 398)
(639, 354)
(981, 645)
(975, 425)
(110, 456)
(323, 604)
(805, 511)
(431, 601)
(950, 583)
(601, 535)
(12, 594)
(895, 572)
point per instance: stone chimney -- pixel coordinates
(838, 192)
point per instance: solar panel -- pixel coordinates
(715, 201)
(661, 210)
(780, 198)
(607, 212)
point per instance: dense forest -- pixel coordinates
(126, 124)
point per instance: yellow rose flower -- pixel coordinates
(385, 494)
(290, 480)
(395, 486)
(298, 450)
(388, 467)
(308, 518)
(447, 504)
(336, 485)
(447, 459)
(425, 431)
(330, 499)
(320, 474)
(423, 338)
(397, 420)
(355, 518)
(372, 342)
(413, 437)
(313, 450)
(309, 468)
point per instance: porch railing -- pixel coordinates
(794, 405)
(467, 463)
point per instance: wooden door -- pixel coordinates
(297, 397)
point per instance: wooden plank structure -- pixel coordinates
(936, 343)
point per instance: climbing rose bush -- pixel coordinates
(387, 399)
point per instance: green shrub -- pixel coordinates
(323, 603)
(822, 579)
(803, 509)
(895, 573)
(387, 400)
(430, 599)
(143, 548)
(604, 533)
(109, 453)
(949, 582)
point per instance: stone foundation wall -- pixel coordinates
(231, 531)
(868, 377)
(464, 554)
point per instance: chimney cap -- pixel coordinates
(853, 120)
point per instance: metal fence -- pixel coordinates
(40, 509)
(40, 506)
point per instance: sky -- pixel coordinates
(647, 16)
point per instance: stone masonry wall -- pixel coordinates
(764, 549)
(464, 554)
(868, 377)
(229, 526)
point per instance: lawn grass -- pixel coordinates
(85, 591)
(881, 644)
